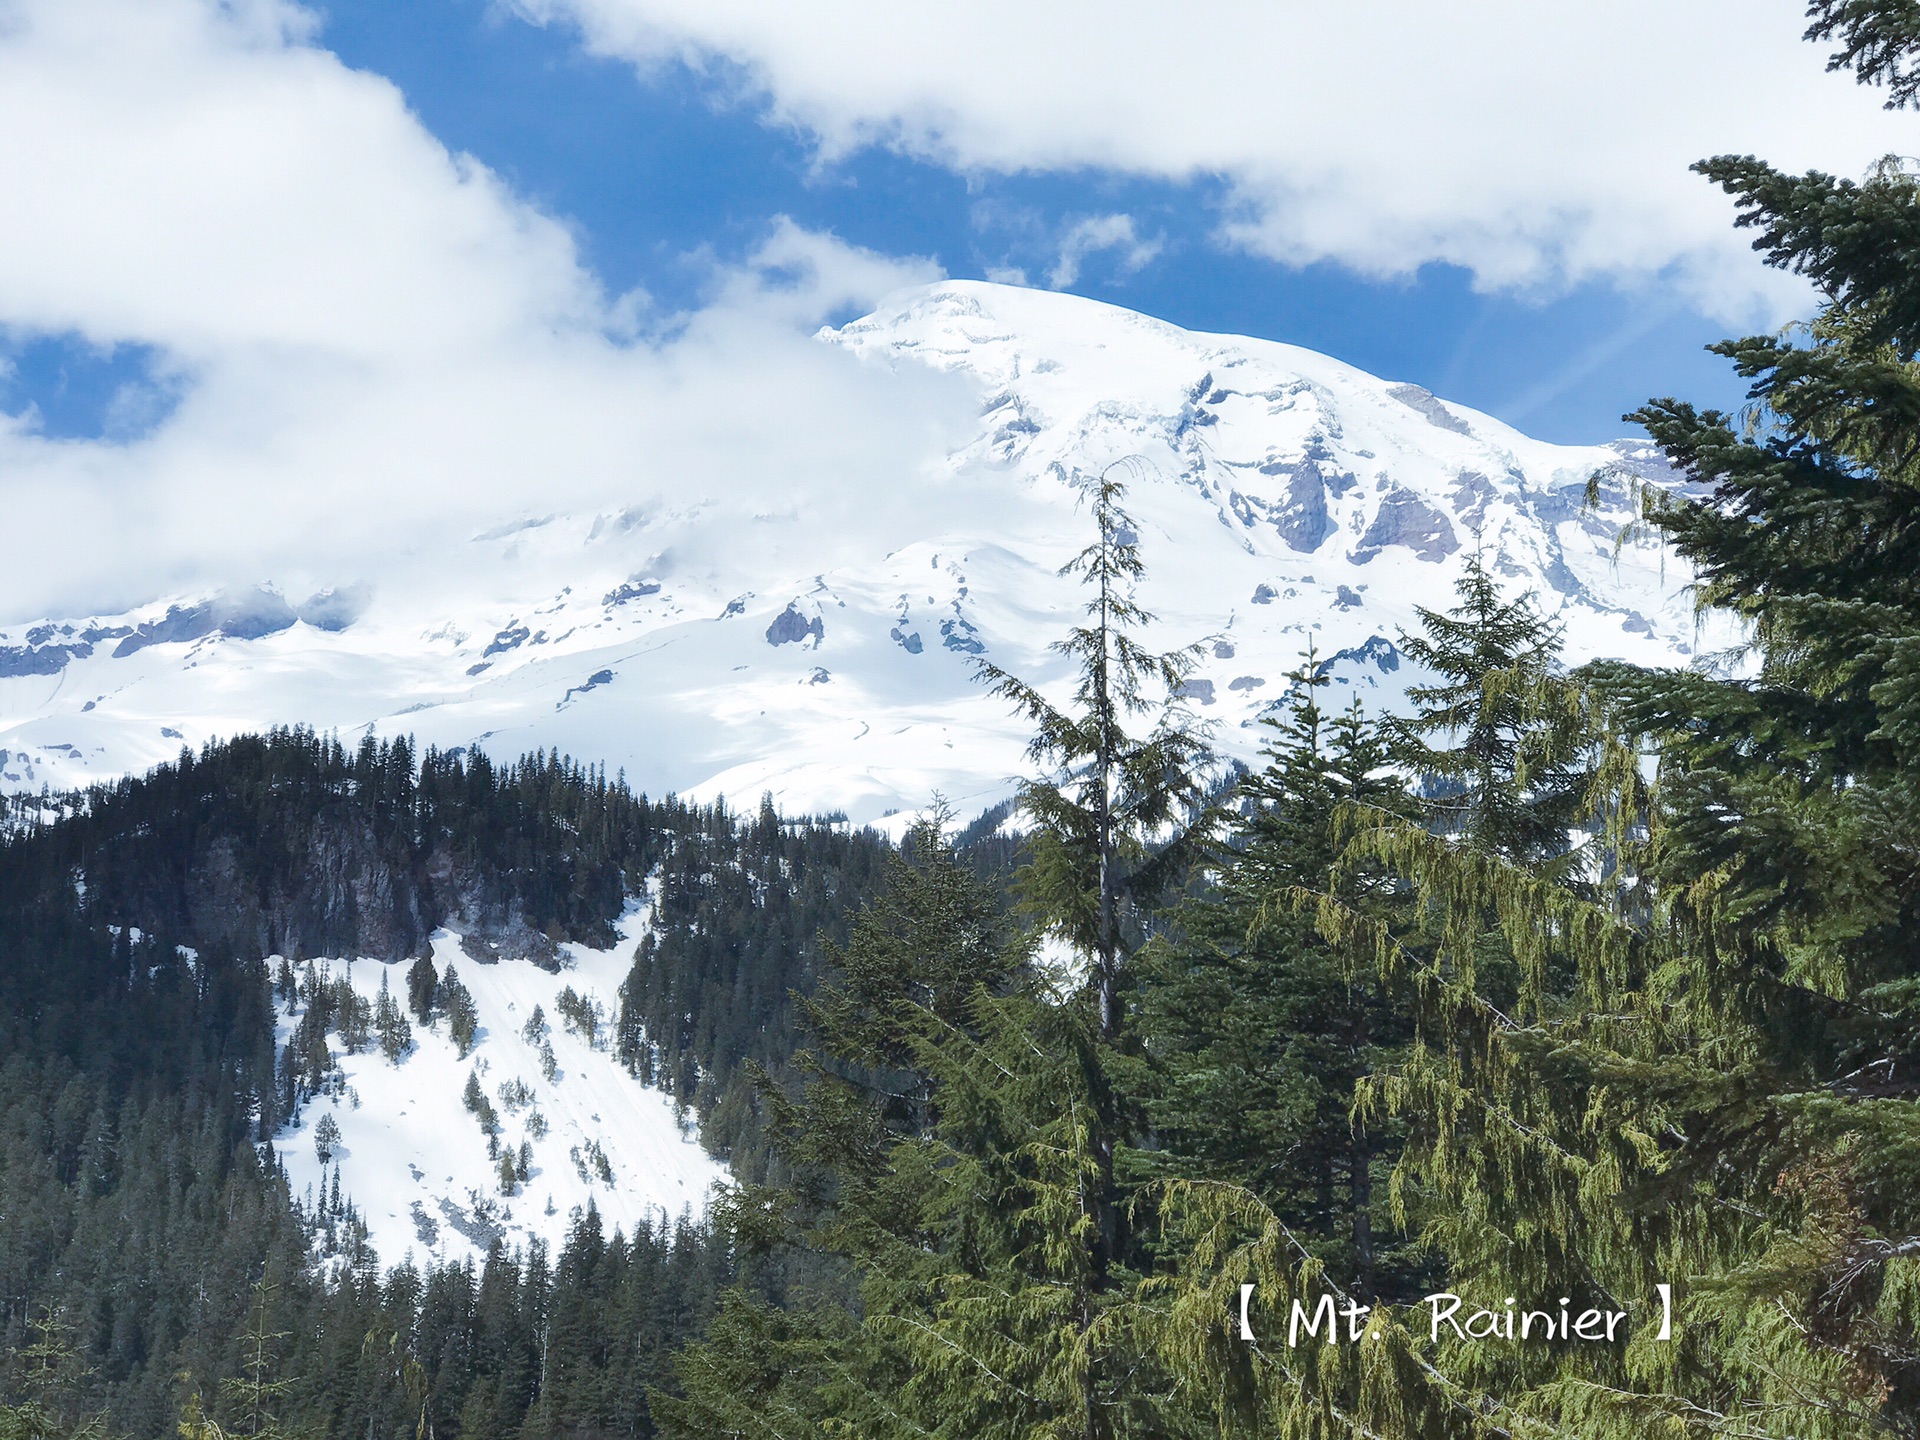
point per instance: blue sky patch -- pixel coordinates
(71, 389)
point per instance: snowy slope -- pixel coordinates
(415, 1163)
(821, 647)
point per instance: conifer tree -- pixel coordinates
(1256, 1033)
(1113, 812)
(423, 982)
(1699, 1074)
(463, 1021)
(257, 1392)
(943, 1160)
(1465, 978)
(252, 1398)
(326, 1137)
(1494, 739)
(536, 1030)
(1879, 40)
(390, 1025)
(50, 1371)
(1117, 817)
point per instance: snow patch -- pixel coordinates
(414, 1161)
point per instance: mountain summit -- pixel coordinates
(820, 647)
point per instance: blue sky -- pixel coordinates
(657, 172)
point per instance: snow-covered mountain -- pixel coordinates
(809, 650)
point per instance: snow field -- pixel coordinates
(415, 1161)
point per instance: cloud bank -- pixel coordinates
(1535, 145)
(379, 350)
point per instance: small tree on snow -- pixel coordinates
(326, 1138)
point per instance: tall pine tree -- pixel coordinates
(1255, 1031)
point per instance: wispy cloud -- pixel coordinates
(1093, 235)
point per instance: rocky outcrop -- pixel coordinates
(18, 660)
(959, 634)
(1415, 397)
(790, 627)
(1376, 650)
(238, 617)
(1472, 493)
(334, 610)
(343, 894)
(1300, 515)
(1405, 519)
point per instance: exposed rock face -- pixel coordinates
(1376, 650)
(244, 617)
(40, 660)
(790, 627)
(1301, 517)
(343, 895)
(630, 590)
(511, 638)
(1472, 493)
(1415, 397)
(959, 634)
(1405, 519)
(334, 610)
(331, 887)
(1200, 690)
(517, 941)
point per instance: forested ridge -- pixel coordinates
(145, 1230)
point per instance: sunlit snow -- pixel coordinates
(415, 1162)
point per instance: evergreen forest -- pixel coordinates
(1568, 990)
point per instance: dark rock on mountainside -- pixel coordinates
(1405, 519)
(1375, 650)
(334, 610)
(290, 845)
(959, 634)
(1301, 515)
(346, 895)
(790, 627)
(18, 660)
(1415, 397)
(629, 591)
(250, 616)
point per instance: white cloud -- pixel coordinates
(1534, 144)
(1093, 235)
(376, 346)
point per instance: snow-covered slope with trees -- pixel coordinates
(397, 1142)
(809, 649)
